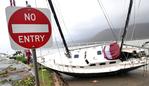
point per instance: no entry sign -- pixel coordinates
(28, 27)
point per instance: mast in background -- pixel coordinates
(126, 24)
(59, 28)
(12, 3)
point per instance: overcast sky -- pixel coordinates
(80, 18)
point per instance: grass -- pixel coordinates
(45, 77)
(28, 81)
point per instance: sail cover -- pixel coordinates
(112, 51)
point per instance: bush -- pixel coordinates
(21, 58)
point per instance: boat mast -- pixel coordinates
(126, 24)
(59, 28)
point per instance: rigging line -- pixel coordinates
(134, 24)
(35, 3)
(59, 28)
(14, 3)
(59, 53)
(10, 2)
(135, 15)
(56, 9)
(47, 4)
(139, 8)
(107, 18)
(56, 40)
(123, 14)
(59, 50)
(64, 23)
(139, 3)
(57, 44)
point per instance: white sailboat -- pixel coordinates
(90, 60)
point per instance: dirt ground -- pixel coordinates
(137, 77)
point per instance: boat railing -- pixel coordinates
(88, 45)
(83, 46)
(140, 47)
(145, 49)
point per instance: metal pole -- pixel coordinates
(34, 60)
(35, 67)
(126, 24)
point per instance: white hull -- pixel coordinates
(97, 69)
(78, 66)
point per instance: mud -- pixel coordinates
(139, 77)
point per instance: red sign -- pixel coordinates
(29, 28)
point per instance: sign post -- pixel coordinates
(29, 28)
(35, 67)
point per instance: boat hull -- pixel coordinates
(86, 75)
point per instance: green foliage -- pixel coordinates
(4, 81)
(29, 81)
(3, 73)
(45, 77)
(21, 58)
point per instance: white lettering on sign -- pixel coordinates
(29, 16)
(31, 38)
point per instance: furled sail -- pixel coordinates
(112, 51)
